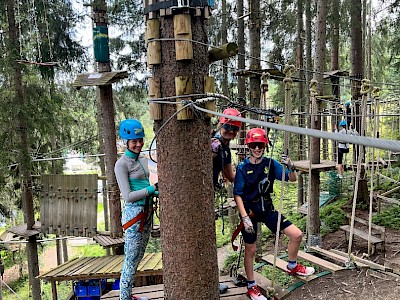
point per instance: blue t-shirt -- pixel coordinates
(249, 175)
(222, 159)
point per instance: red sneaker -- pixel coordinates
(300, 270)
(254, 293)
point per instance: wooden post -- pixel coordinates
(154, 92)
(183, 86)
(209, 87)
(153, 47)
(183, 30)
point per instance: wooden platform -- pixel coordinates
(324, 165)
(106, 241)
(234, 292)
(21, 230)
(84, 268)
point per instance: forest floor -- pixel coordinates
(357, 284)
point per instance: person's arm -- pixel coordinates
(289, 175)
(229, 173)
(238, 191)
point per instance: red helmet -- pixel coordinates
(256, 135)
(231, 112)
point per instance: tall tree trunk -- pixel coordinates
(335, 17)
(224, 36)
(184, 162)
(300, 85)
(255, 51)
(314, 237)
(24, 155)
(357, 73)
(107, 127)
(241, 50)
(309, 64)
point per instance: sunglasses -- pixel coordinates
(255, 145)
(231, 128)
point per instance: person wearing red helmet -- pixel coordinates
(253, 187)
(222, 158)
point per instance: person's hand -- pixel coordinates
(285, 160)
(248, 225)
(215, 145)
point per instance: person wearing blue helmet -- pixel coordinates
(132, 173)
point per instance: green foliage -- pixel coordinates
(231, 260)
(389, 218)
(222, 239)
(94, 250)
(332, 217)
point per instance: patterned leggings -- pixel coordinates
(135, 245)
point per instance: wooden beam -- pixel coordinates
(183, 86)
(334, 256)
(154, 92)
(209, 87)
(371, 264)
(222, 52)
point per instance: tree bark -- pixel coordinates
(24, 155)
(255, 51)
(224, 36)
(300, 85)
(107, 127)
(184, 164)
(241, 50)
(314, 237)
(335, 17)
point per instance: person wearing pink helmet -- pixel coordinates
(222, 158)
(253, 187)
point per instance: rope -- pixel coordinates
(365, 89)
(288, 107)
(3, 282)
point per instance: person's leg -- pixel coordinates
(249, 253)
(340, 162)
(295, 235)
(133, 252)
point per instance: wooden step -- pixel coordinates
(281, 264)
(334, 256)
(319, 262)
(371, 264)
(362, 234)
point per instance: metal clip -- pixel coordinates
(183, 3)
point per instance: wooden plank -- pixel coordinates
(324, 165)
(391, 191)
(362, 234)
(281, 264)
(334, 256)
(366, 223)
(319, 262)
(60, 268)
(371, 264)
(388, 200)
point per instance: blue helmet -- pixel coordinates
(343, 123)
(347, 103)
(131, 129)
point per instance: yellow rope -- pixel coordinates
(365, 89)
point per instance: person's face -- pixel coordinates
(135, 145)
(257, 149)
(229, 131)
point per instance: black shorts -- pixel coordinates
(341, 151)
(269, 217)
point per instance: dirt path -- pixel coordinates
(47, 261)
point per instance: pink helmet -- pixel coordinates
(231, 112)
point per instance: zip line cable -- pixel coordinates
(390, 145)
